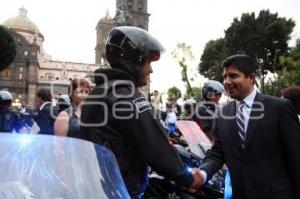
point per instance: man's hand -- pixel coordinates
(198, 180)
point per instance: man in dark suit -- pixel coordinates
(47, 113)
(25, 117)
(257, 136)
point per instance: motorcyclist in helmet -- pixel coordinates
(8, 117)
(206, 110)
(63, 103)
(117, 115)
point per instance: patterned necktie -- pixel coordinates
(240, 119)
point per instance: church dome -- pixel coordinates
(22, 23)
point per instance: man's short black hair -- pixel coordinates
(244, 63)
(44, 94)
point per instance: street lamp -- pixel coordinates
(16, 103)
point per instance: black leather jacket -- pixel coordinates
(8, 120)
(121, 118)
(204, 116)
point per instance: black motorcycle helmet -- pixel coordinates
(210, 88)
(128, 47)
(63, 103)
(5, 99)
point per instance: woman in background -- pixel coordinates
(68, 121)
(293, 94)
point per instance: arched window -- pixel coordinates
(140, 6)
(6, 74)
(50, 76)
(130, 4)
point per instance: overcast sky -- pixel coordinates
(69, 27)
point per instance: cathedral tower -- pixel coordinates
(103, 27)
(137, 10)
(128, 12)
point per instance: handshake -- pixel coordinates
(199, 179)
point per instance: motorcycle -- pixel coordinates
(192, 153)
(43, 166)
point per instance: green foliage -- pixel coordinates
(197, 91)
(210, 62)
(7, 48)
(174, 91)
(288, 72)
(295, 54)
(264, 38)
(182, 54)
(260, 37)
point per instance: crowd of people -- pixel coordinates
(255, 135)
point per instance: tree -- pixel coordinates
(197, 93)
(295, 54)
(7, 48)
(288, 72)
(182, 54)
(213, 55)
(174, 91)
(263, 37)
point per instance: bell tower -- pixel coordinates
(136, 10)
(129, 13)
(103, 27)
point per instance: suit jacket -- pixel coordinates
(268, 166)
(26, 117)
(45, 119)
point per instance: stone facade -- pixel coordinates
(32, 68)
(129, 13)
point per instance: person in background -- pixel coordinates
(8, 117)
(46, 113)
(189, 110)
(206, 110)
(176, 108)
(189, 105)
(293, 94)
(170, 121)
(156, 100)
(280, 92)
(24, 107)
(55, 98)
(63, 103)
(25, 117)
(67, 122)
